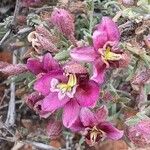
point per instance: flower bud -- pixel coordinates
(11, 69)
(64, 21)
(129, 3)
(54, 129)
(75, 68)
(31, 3)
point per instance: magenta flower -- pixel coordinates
(69, 91)
(104, 52)
(44, 64)
(95, 127)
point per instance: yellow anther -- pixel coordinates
(67, 87)
(108, 55)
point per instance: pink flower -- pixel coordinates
(42, 65)
(68, 91)
(104, 52)
(95, 127)
(64, 21)
(139, 134)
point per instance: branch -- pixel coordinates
(10, 121)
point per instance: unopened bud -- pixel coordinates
(64, 21)
(129, 3)
(13, 69)
(54, 129)
(75, 68)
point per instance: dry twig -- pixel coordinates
(11, 109)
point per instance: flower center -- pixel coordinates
(67, 87)
(96, 135)
(108, 55)
(64, 89)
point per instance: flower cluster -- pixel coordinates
(70, 86)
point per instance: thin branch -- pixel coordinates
(16, 12)
(10, 121)
(41, 145)
(6, 105)
(5, 37)
(5, 95)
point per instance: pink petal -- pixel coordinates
(86, 54)
(87, 94)
(88, 117)
(102, 114)
(71, 113)
(33, 98)
(43, 84)
(99, 39)
(110, 27)
(49, 63)
(51, 102)
(99, 69)
(38, 109)
(34, 65)
(111, 132)
(77, 126)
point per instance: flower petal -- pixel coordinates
(87, 94)
(99, 39)
(86, 54)
(110, 27)
(99, 69)
(111, 132)
(102, 113)
(77, 126)
(49, 63)
(43, 84)
(71, 113)
(38, 109)
(87, 117)
(33, 98)
(34, 65)
(51, 102)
